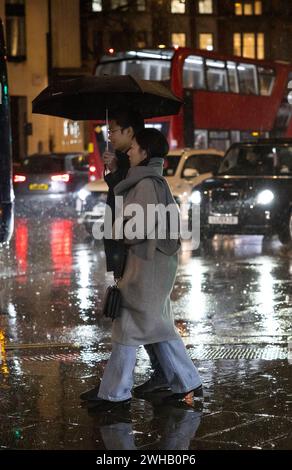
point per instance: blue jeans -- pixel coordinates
(118, 378)
(155, 364)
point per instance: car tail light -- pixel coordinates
(19, 178)
(92, 169)
(65, 178)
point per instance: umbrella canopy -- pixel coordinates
(87, 98)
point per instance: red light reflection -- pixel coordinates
(21, 249)
(61, 251)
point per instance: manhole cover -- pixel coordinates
(68, 357)
(244, 352)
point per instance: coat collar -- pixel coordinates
(137, 173)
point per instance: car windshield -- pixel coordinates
(170, 165)
(257, 160)
(41, 164)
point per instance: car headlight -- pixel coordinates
(265, 197)
(83, 194)
(195, 197)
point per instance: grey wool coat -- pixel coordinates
(150, 270)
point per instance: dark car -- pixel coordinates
(50, 178)
(251, 193)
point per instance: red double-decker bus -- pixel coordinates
(226, 99)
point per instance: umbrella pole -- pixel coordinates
(106, 139)
(106, 124)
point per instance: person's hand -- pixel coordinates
(110, 160)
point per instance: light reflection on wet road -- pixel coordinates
(236, 293)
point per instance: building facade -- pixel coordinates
(64, 38)
(251, 28)
(43, 41)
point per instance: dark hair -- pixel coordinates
(128, 118)
(153, 142)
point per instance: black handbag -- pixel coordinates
(111, 307)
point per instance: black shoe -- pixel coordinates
(90, 395)
(107, 405)
(196, 392)
(154, 384)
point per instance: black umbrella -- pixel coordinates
(88, 98)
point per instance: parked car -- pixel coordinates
(183, 169)
(252, 192)
(50, 178)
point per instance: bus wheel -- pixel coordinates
(285, 234)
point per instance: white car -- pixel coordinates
(186, 168)
(183, 169)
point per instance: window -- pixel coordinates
(216, 75)
(247, 79)
(178, 39)
(15, 30)
(141, 5)
(250, 45)
(203, 163)
(119, 3)
(258, 10)
(178, 6)
(206, 7)
(96, 5)
(219, 140)
(266, 80)
(145, 69)
(141, 39)
(170, 164)
(193, 73)
(232, 76)
(206, 41)
(41, 164)
(260, 46)
(248, 7)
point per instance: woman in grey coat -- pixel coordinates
(153, 244)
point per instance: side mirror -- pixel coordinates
(190, 173)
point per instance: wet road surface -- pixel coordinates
(232, 304)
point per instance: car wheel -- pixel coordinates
(285, 234)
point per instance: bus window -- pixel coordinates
(266, 80)
(247, 79)
(216, 75)
(144, 69)
(193, 73)
(200, 138)
(219, 140)
(233, 78)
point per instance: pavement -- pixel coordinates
(54, 346)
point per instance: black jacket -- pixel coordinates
(115, 251)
